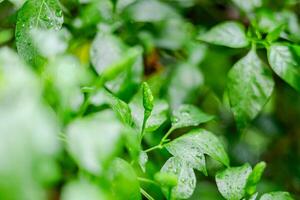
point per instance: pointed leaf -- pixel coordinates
(285, 63)
(230, 34)
(232, 182)
(250, 85)
(189, 115)
(36, 14)
(192, 146)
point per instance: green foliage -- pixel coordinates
(149, 99)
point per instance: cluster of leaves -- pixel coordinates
(79, 121)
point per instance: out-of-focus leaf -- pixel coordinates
(250, 85)
(184, 83)
(114, 62)
(275, 34)
(232, 182)
(29, 145)
(56, 42)
(192, 146)
(189, 115)
(277, 196)
(36, 14)
(149, 11)
(254, 178)
(285, 63)
(230, 34)
(166, 179)
(94, 140)
(186, 179)
(80, 190)
(124, 181)
(249, 5)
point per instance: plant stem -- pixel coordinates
(159, 146)
(148, 196)
(147, 180)
(164, 139)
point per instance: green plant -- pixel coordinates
(101, 99)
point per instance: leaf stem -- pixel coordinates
(146, 180)
(159, 146)
(148, 196)
(164, 139)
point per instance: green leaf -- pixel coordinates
(249, 5)
(285, 63)
(121, 108)
(186, 179)
(277, 196)
(149, 11)
(189, 115)
(124, 181)
(254, 178)
(230, 34)
(275, 34)
(192, 146)
(36, 14)
(81, 190)
(185, 81)
(120, 66)
(250, 85)
(232, 182)
(94, 140)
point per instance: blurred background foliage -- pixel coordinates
(178, 68)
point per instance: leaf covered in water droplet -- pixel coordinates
(189, 115)
(232, 182)
(36, 14)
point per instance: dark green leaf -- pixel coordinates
(250, 85)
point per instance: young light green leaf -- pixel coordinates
(254, 178)
(285, 63)
(250, 85)
(277, 196)
(81, 190)
(189, 115)
(124, 181)
(230, 34)
(232, 181)
(275, 34)
(186, 179)
(94, 140)
(36, 14)
(166, 179)
(192, 146)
